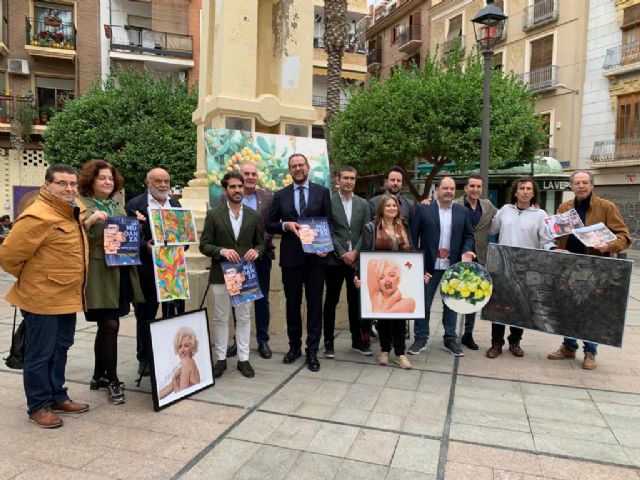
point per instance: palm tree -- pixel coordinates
(335, 37)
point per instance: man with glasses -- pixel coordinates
(48, 253)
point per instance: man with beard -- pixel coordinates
(443, 231)
(157, 195)
(393, 185)
(591, 209)
(302, 199)
(231, 232)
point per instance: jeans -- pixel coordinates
(421, 327)
(47, 340)
(572, 344)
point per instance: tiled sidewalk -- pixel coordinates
(472, 418)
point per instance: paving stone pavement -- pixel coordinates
(470, 418)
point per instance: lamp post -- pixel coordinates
(488, 25)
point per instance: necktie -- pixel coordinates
(303, 202)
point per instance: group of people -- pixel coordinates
(56, 252)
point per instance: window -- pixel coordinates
(628, 117)
(455, 28)
(496, 62)
(631, 35)
(397, 32)
(541, 54)
(4, 30)
(48, 13)
(53, 93)
(412, 62)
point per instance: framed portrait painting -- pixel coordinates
(392, 285)
(181, 363)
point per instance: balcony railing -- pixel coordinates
(450, 45)
(349, 46)
(50, 33)
(622, 55)
(374, 57)
(140, 40)
(540, 13)
(9, 105)
(547, 152)
(321, 101)
(620, 150)
(541, 79)
(413, 33)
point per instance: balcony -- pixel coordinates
(321, 101)
(318, 42)
(150, 42)
(541, 79)
(622, 59)
(450, 45)
(10, 105)
(374, 60)
(50, 38)
(541, 13)
(349, 46)
(410, 39)
(609, 153)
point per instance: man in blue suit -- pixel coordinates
(444, 232)
(299, 200)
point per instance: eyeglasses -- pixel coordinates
(63, 184)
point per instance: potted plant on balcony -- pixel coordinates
(22, 124)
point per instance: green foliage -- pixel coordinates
(435, 115)
(24, 118)
(134, 121)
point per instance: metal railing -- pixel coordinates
(321, 101)
(412, 32)
(50, 33)
(626, 54)
(140, 40)
(616, 150)
(374, 56)
(349, 46)
(450, 45)
(539, 13)
(541, 79)
(10, 105)
(318, 42)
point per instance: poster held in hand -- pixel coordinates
(121, 241)
(241, 280)
(315, 235)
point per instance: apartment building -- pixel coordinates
(354, 65)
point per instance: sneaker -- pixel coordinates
(102, 382)
(494, 351)
(562, 353)
(363, 348)
(404, 362)
(467, 341)
(115, 393)
(45, 418)
(219, 368)
(383, 358)
(420, 345)
(453, 347)
(329, 352)
(246, 369)
(589, 362)
(515, 349)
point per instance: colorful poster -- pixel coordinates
(563, 223)
(226, 149)
(315, 235)
(173, 226)
(156, 226)
(241, 280)
(121, 241)
(594, 234)
(170, 270)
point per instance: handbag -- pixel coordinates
(16, 352)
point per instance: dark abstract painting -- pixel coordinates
(578, 296)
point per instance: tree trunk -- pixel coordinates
(335, 36)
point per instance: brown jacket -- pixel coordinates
(47, 252)
(601, 210)
(481, 230)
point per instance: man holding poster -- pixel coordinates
(232, 232)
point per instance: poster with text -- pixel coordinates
(241, 280)
(315, 235)
(121, 241)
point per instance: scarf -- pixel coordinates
(385, 242)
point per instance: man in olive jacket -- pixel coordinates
(47, 252)
(232, 232)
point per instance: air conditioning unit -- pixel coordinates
(296, 130)
(238, 123)
(18, 67)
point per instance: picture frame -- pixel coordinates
(170, 273)
(170, 368)
(173, 226)
(404, 272)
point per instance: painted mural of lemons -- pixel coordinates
(466, 287)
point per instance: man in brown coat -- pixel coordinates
(47, 252)
(591, 209)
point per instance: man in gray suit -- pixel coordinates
(350, 213)
(481, 211)
(393, 185)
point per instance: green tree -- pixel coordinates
(435, 115)
(134, 121)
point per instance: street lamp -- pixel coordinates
(488, 25)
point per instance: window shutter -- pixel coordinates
(631, 16)
(541, 53)
(455, 28)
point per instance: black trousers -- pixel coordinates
(392, 331)
(497, 334)
(335, 276)
(311, 277)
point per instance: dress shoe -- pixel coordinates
(246, 369)
(219, 368)
(312, 362)
(562, 353)
(467, 341)
(494, 351)
(232, 350)
(264, 350)
(589, 362)
(291, 356)
(45, 418)
(69, 406)
(515, 349)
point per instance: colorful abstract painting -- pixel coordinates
(156, 226)
(226, 150)
(170, 270)
(178, 226)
